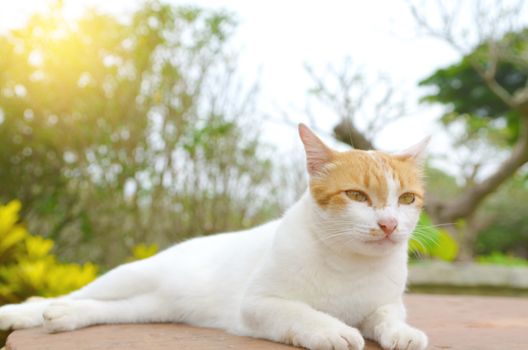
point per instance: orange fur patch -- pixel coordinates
(367, 172)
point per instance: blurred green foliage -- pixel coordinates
(507, 232)
(27, 267)
(429, 241)
(118, 131)
(470, 99)
(504, 213)
(497, 258)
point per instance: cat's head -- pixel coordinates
(367, 202)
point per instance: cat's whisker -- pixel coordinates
(437, 225)
(334, 236)
(429, 239)
(415, 250)
(425, 233)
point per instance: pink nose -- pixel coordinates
(388, 225)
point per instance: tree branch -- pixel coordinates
(488, 75)
(467, 202)
(347, 133)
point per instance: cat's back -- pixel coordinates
(221, 261)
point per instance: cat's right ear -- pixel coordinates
(317, 153)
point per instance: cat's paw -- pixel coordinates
(19, 316)
(401, 337)
(61, 317)
(340, 338)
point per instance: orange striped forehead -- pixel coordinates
(368, 171)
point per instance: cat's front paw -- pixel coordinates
(61, 316)
(401, 337)
(340, 338)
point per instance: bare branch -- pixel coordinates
(345, 91)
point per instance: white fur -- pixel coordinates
(317, 278)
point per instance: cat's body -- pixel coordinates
(303, 279)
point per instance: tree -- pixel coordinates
(116, 132)
(487, 93)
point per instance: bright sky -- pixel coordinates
(279, 37)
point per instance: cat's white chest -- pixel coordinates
(353, 295)
(361, 301)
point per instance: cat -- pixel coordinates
(328, 274)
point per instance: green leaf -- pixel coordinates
(446, 248)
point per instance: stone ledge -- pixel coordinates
(452, 322)
(468, 275)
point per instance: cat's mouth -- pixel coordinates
(383, 240)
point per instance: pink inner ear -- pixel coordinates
(317, 153)
(416, 152)
(315, 162)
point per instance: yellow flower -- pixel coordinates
(38, 247)
(143, 251)
(11, 233)
(9, 216)
(27, 267)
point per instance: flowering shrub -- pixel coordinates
(27, 268)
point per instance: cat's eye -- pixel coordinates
(357, 196)
(407, 198)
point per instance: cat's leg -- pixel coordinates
(294, 322)
(124, 282)
(67, 315)
(387, 326)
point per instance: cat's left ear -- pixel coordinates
(416, 152)
(317, 153)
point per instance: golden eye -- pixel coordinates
(357, 196)
(407, 198)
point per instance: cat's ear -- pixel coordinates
(317, 153)
(416, 152)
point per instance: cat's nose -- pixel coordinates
(388, 225)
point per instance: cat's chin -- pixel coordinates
(368, 247)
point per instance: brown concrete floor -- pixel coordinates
(452, 322)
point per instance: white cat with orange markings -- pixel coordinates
(327, 274)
